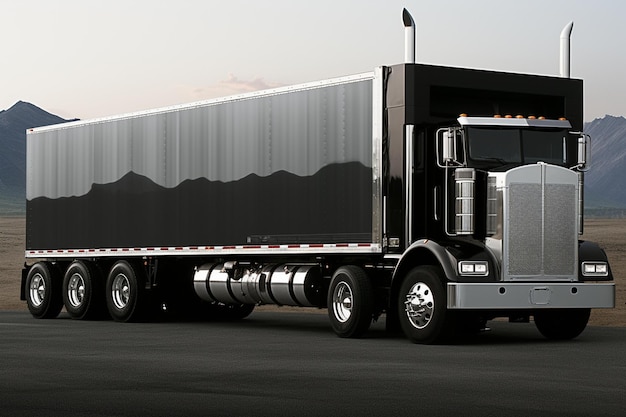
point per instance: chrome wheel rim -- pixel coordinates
(37, 290)
(419, 305)
(76, 290)
(120, 291)
(343, 302)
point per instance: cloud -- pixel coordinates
(234, 85)
(244, 86)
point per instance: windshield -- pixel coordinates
(490, 147)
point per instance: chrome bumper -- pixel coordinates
(523, 295)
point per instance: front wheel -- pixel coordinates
(350, 302)
(562, 324)
(422, 307)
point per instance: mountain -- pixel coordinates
(605, 182)
(13, 125)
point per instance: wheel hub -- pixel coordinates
(419, 305)
(37, 290)
(342, 302)
(120, 291)
(76, 290)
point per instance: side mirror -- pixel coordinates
(584, 152)
(449, 148)
(449, 144)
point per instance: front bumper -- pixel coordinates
(525, 295)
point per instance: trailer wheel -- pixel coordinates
(562, 324)
(82, 291)
(43, 291)
(350, 302)
(422, 308)
(125, 292)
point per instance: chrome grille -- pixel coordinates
(540, 222)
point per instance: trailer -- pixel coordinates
(438, 197)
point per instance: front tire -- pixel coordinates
(562, 324)
(43, 291)
(422, 307)
(350, 302)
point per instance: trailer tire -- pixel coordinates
(43, 291)
(125, 293)
(350, 302)
(422, 306)
(562, 324)
(83, 294)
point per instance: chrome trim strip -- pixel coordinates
(408, 180)
(312, 248)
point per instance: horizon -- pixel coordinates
(70, 63)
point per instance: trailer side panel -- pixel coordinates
(293, 166)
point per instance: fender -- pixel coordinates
(591, 251)
(426, 252)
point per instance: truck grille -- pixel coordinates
(540, 226)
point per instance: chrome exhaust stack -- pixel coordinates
(409, 37)
(566, 35)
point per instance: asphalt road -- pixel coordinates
(292, 364)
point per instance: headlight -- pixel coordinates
(474, 268)
(595, 269)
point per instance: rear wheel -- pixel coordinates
(422, 307)
(82, 291)
(43, 291)
(125, 292)
(562, 324)
(350, 302)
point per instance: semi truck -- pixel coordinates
(437, 197)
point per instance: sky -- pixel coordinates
(91, 58)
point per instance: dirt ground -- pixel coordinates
(609, 233)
